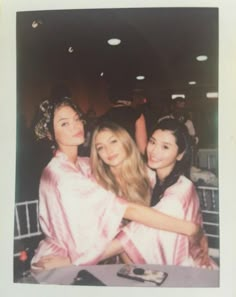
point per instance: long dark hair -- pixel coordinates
(182, 167)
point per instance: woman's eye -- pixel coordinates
(99, 148)
(113, 141)
(151, 141)
(64, 124)
(166, 147)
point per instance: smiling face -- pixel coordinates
(68, 128)
(162, 152)
(109, 148)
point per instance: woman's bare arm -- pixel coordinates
(141, 133)
(155, 219)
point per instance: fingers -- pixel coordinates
(204, 259)
(196, 239)
(39, 264)
(50, 262)
(48, 257)
(45, 262)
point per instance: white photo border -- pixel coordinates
(227, 142)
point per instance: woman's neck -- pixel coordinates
(115, 170)
(120, 186)
(163, 173)
(71, 152)
(116, 173)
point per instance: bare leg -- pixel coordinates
(125, 258)
(114, 248)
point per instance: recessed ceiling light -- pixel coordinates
(101, 74)
(177, 95)
(114, 41)
(192, 82)
(212, 95)
(36, 23)
(202, 58)
(70, 49)
(140, 77)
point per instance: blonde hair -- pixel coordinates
(133, 172)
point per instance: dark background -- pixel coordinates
(160, 43)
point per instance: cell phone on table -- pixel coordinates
(142, 274)
(85, 278)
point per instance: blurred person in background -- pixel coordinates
(123, 114)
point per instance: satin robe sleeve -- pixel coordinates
(78, 217)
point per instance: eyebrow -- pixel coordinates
(62, 119)
(168, 143)
(97, 143)
(163, 142)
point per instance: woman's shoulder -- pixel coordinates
(180, 194)
(57, 166)
(59, 171)
(182, 186)
(50, 173)
(85, 166)
(53, 165)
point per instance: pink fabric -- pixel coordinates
(78, 217)
(153, 246)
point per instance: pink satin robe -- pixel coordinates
(153, 246)
(78, 217)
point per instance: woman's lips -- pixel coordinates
(110, 158)
(153, 160)
(79, 134)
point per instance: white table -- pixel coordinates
(177, 276)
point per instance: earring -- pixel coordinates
(53, 147)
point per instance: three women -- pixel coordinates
(78, 217)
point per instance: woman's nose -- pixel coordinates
(108, 149)
(155, 149)
(77, 124)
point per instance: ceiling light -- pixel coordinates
(101, 74)
(202, 58)
(36, 23)
(177, 95)
(114, 41)
(140, 77)
(192, 82)
(70, 49)
(212, 95)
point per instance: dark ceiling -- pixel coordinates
(160, 43)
